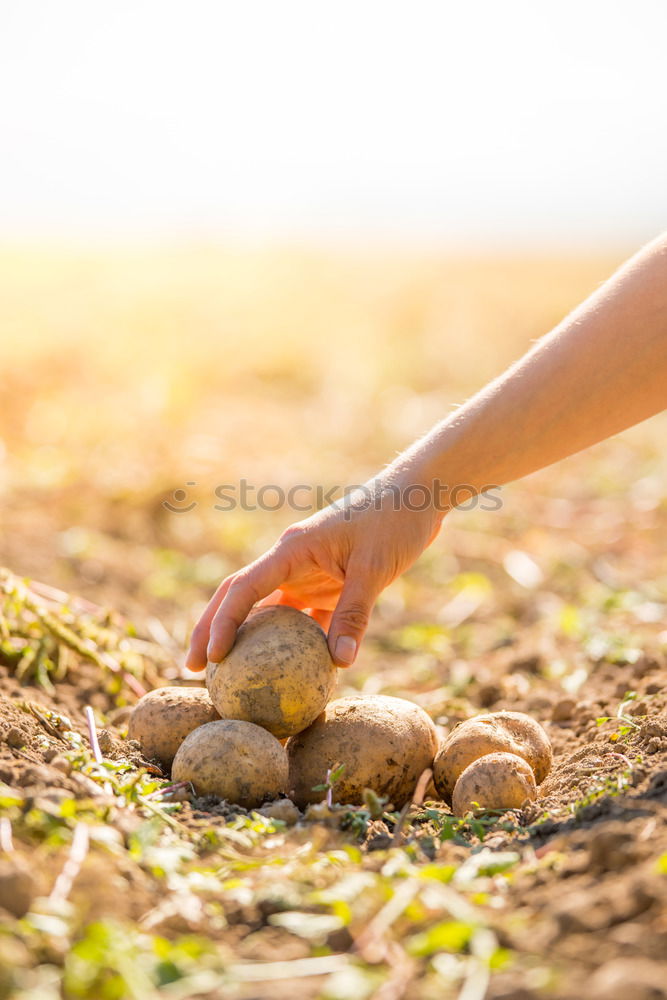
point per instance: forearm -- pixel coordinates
(603, 369)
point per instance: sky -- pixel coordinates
(484, 123)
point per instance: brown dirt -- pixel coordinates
(120, 387)
(591, 901)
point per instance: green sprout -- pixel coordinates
(333, 775)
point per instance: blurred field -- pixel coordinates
(129, 373)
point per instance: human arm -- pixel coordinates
(604, 368)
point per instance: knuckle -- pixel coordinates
(356, 615)
(291, 534)
(222, 589)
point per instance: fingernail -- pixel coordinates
(210, 655)
(346, 649)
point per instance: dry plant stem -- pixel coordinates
(402, 971)
(422, 785)
(298, 968)
(169, 820)
(476, 983)
(371, 944)
(4, 627)
(157, 631)
(621, 757)
(60, 598)
(92, 734)
(51, 730)
(6, 841)
(168, 789)
(27, 756)
(159, 634)
(416, 800)
(648, 830)
(67, 636)
(72, 867)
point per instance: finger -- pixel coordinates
(350, 619)
(258, 580)
(196, 658)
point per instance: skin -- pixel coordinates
(511, 732)
(235, 760)
(385, 743)
(163, 718)
(603, 369)
(279, 673)
(496, 781)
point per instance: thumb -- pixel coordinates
(350, 619)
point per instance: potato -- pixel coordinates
(495, 732)
(494, 781)
(162, 719)
(234, 760)
(278, 674)
(385, 744)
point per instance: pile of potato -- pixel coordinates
(493, 761)
(266, 727)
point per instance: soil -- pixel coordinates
(591, 901)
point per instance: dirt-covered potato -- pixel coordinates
(385, 744)
(495, 732)
(278, 674)
(237, 761)
(495, 781)
(162, 719)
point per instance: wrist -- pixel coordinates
(408, 485)
(429, 476)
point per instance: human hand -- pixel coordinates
(333, 565)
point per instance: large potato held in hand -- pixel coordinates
(278, 674)
(495, 732)
(234, 760)
(495, 781)
(385, 744)
(162, 719)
